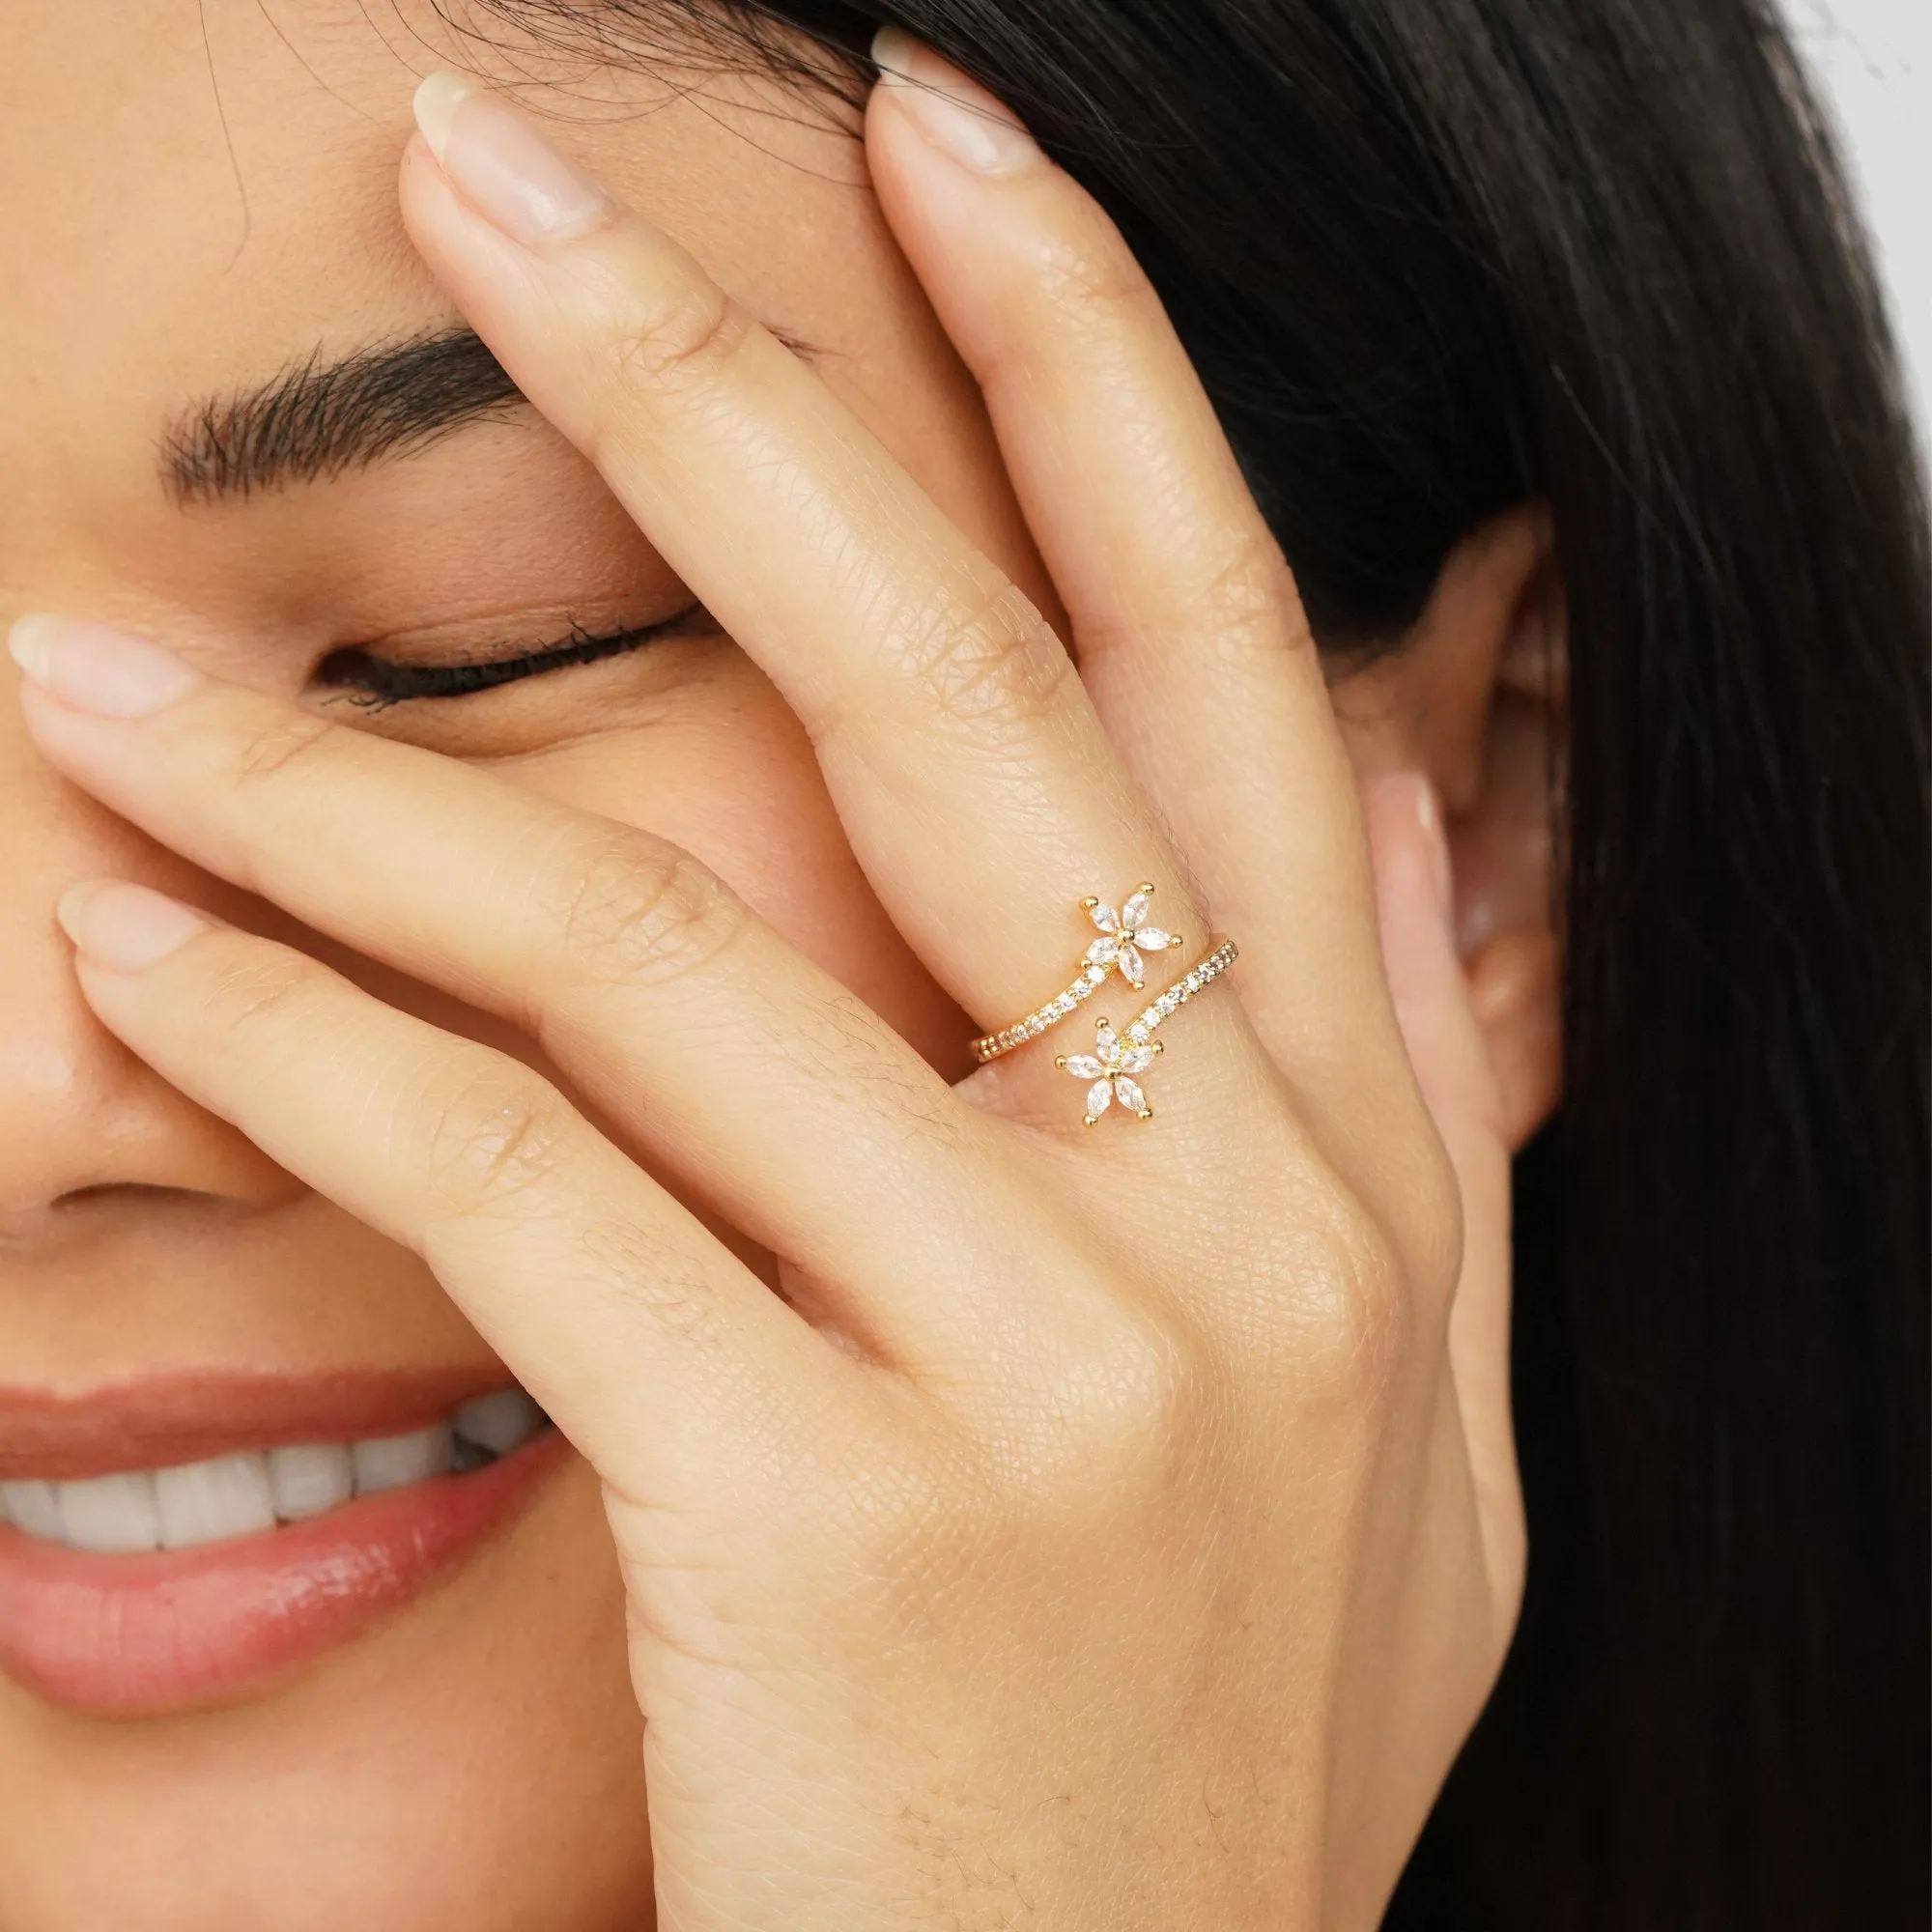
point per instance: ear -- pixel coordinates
(1474, 696)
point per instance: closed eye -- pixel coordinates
(378, 682)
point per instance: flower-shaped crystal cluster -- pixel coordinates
(1125, 935)
(1112, 1068)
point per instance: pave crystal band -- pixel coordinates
(1113, 1069)
(1125, 935)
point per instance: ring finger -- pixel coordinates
(1187, 624)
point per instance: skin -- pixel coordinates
(479, 1752)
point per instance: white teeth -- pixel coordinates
(111, 1513)
(391, 1460)
(34, 1508)
(501, 1422)
(203, 1502)
(243, 1494)
(310, 1477)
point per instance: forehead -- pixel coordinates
(201, 191)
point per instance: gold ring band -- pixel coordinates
(1125, 935)
(1113, 1069)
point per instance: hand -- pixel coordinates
(1098, 1529)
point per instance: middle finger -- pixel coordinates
(978, 786)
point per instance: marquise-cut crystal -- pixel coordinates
(1111, 1069)
(1120, 1058)
(1127, 935)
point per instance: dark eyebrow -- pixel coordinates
(318, 420)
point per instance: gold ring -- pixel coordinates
(1114, 1067)
(1125, 935)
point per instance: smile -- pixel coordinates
(209, 1502)
(151, 1560)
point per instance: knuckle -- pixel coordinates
(1089, 272)
(634, 1272)
(493, 1136)
(1153, 1387)
(1351, 1321)
(252, 988)
(1242, 610)
(985, 661)
(1249, 591)
(1135, 1401)
(287, 743)
(681, 340)
(839, 1045)
(636, 914)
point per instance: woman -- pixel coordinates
(562, 730)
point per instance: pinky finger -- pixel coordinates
(1452, 1066)
(638, 1331)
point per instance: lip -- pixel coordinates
(161, 1629)
(165, 1420)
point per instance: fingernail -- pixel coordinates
(1429, 815)
(124, 927)
(90, 667)
(503, 168)
(957, 115)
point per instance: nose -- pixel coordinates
(78, 1112)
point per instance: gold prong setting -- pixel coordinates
(1113, 1071)
(1127, 934)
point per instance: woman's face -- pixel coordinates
(200, 206)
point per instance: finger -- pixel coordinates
(1452, 1067)
(627, 1321)
(1186, 624)
(978, 789)
(731, 1060)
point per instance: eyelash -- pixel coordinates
(376, 683)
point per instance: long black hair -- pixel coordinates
(1438, 256)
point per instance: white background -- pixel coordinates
(1875, 59)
